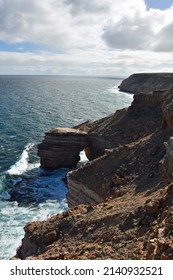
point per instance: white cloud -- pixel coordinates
(164, 40)
(141, 30)
(67, 23)
(79, 62)
(96, 36)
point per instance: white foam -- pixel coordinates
(113, 89)
(83, 158)
(22, 164)
(14, 218)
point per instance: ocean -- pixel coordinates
(30, 106)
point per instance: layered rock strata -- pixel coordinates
(93, 182)
(61, 147)
(146, 82)
(123, 145)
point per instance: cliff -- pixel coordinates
(128, 147)
(122, 200)
(146, 82)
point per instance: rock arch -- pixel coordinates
(61, 147)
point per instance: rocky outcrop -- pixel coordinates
(130, 226)
(86, 232)
(158, 244)
(146, 82)
(61, 147)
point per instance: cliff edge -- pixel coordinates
(146, 82)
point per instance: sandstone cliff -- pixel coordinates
(61, 147)
(122, 200)
(127, 146)
(146, 82)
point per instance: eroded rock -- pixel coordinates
(61, 147)
(92, 183)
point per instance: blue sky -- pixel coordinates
(86, 37)
(159, 4)
(28, 47)
(20, 47)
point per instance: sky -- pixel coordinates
(86, 37)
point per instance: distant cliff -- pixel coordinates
(146, 82)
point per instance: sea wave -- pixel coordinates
(22, 164)
(28, 193)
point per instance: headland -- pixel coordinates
(121, 201)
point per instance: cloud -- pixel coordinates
(84, 36)
(67, 23)
(48, 22)
(140, 29)
(83, 6)
(96, 62)
(127, 34)
(81, 23)
(164, 42)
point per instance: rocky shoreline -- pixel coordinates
(121, 202)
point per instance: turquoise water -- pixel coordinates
(29, 106)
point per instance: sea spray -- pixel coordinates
(21, 166)
(28, 193)
(14, 218)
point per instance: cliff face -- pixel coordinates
(127, 189)
(92, 183)
(146, 82)
(132, 141)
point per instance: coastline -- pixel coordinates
(129, 172)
